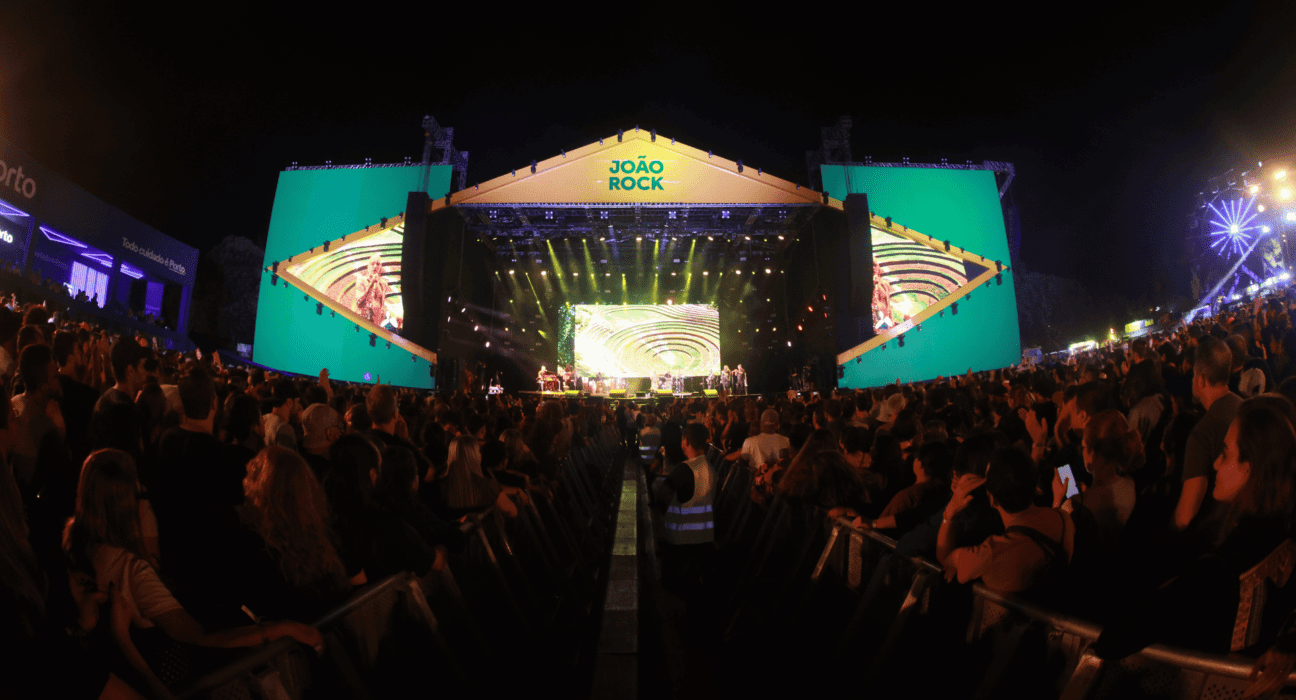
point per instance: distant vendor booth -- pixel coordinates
(54, 234)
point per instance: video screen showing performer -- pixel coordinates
(908, 277)
(363, 276)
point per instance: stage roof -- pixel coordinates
(661, 172)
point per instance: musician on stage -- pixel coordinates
(724, 379)
(667, 381)
(540, 377)
(740, 380)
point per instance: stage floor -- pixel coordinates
(626, 396)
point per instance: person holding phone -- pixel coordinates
(1112, 450)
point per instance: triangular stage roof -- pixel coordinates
(661, 171)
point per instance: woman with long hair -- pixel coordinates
(465, 489)
(296, 569)
(520, 458)
(1112, 451)
(1255, 477)
(104, 537)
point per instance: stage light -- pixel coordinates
(670, 302)
(488, 343)
(1264, 229)
(1260, 207)
(476, 327)
(767, 270)
(1280, 174)
(449, 299)
(544, 273)
(638, 238)
(1255, 189)
(463, 310)
(1291, 216)
(575, 274)
(789, 343)
(1285, 276)
(800, 327)
(607, 274)
(705, 273)
(510, 272)
(781, 238)
(1284, 193)
(810, 309)
(747, 238)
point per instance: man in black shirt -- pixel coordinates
(78, 400)
(195, 490)
(127, 357)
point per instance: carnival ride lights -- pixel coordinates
(1232, 226)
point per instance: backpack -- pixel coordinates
(1065, 581)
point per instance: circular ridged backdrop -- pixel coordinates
(643, 340)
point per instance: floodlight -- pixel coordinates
(1280, 174)
(1255, 189)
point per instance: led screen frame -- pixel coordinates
(308, 264)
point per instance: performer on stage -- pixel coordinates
(725, 379)
(540, 377)
(740, 380)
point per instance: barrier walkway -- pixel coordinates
(853, 618)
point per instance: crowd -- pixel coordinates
(160, 510)
(155, 501)
(1132, 485)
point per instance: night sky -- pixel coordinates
(1114, 119)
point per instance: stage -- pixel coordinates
(634, 396)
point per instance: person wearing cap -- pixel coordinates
(321, 427)
(765, 448)
(277, 423)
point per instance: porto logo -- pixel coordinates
(642, 174)
(6, 236)
(14, 178)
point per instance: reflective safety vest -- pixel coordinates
(692, 522)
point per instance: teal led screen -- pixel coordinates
(962, 207)
(310, 207)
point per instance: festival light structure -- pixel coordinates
(1247, 216)
(1233, 227)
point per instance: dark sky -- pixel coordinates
(1114, 118)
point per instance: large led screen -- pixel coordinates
(363, 276)
(947, 234)
(645, 340)
(310, 323)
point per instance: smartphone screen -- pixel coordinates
(1068, 478)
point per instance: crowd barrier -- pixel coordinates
(796, 559)
(518, 597)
